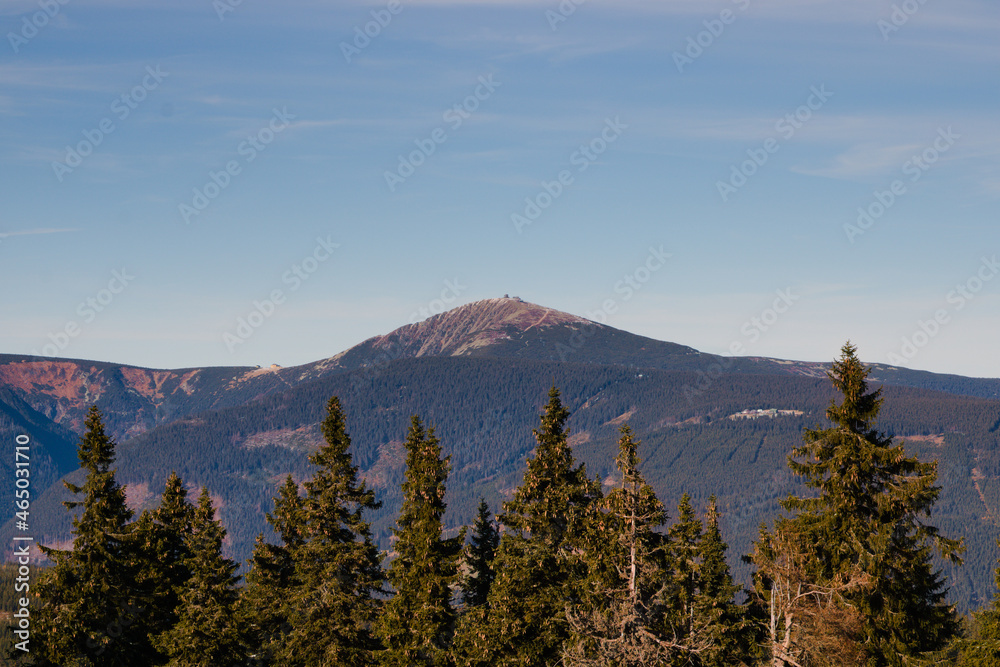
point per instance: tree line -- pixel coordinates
(569, 572)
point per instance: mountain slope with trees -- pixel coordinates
(584, 576)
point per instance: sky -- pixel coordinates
(240, 182)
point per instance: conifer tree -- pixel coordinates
(88, 594)
(264, 600)
(479, 558)
(710, 630)
(539, 562)
(158, 543)
(805, 620)
(207, 632)
(685, 548)
(418, 623)
(337, 568)
(983, 650)
(620, 618)
(729, 636)
(866, 530)
(166, 553)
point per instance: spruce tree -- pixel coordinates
(167, 553)
(539, 563)
(337, 568)
(264, 604)
(417, 624)
(720, 620)
(207, 632)
(983, 650)
(158, 543)
(87, 598)
(620, 617)
(866, 529)
(708, 627)
(479, 558)
(685, 549)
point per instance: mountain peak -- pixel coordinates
(506, 310)
(478, 324)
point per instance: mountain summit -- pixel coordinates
(462, 330)
(512, 327)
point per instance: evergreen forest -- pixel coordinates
(573, 567)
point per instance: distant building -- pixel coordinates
(771, 413)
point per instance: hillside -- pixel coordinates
(484, 410)
(134, 400)
(480, 374)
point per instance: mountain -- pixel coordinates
(134, 400)
(480, 374)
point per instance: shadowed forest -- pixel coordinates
(573, 570)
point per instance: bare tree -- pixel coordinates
(808, 624)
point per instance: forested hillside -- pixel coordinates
(483, 411)
(586, 564)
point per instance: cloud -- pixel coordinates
(864, 160)
(41, 230)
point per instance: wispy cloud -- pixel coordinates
(864, 160)
(40, 230)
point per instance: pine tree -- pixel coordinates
(167, 554)
(337, 568)
(983, 650)
(207, 632)
(271, 579)
(479, 558)
(158, 544)
(685, 549)
(866, 533)
(720, 620)
(539, 563)
(620, 618)
(87, 599)
(418, 622)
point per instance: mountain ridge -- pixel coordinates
(480, 374)
(136, 398)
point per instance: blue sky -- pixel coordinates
(698, 167)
